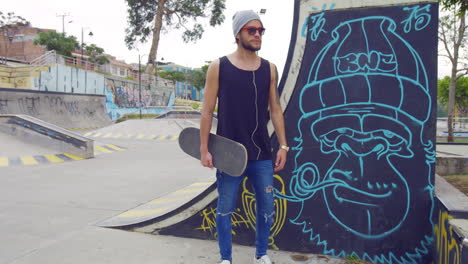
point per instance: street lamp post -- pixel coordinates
(82, 43)
(139, 82)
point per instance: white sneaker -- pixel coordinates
(263, 260)
(225, 262)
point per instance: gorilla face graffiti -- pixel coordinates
(361, 159)
(367, 182)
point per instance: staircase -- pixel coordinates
(21, 77)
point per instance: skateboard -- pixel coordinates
(228, 156)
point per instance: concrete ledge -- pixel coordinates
(36, 131)
(451, 231)
(452, 165)
(454, 201)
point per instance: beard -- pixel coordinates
(246, 45)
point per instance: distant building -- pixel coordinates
(20, 45)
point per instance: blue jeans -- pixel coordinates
(260, 174)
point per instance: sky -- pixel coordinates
(107, 19)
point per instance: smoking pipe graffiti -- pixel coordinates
(359, 138)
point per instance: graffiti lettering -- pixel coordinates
(3, 106)
(419, 16)
(446, 244)
(318, 23)
(29, 105)
(373, 61)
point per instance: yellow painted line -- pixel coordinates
(103, 149)
(140, 136)
(129, 135)
(97, 134)
(107, 135)
(152, 137)
(168, 200)
(52, 158)
(4, 162)
(28, 160)
(87, 134)
(114, 147)
(188, 190)
(136, 213)
(174, 137)
(162, 137)
(201, 183)
(71, 156)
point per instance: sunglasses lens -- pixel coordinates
(252, 30)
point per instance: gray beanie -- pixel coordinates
(241, 18)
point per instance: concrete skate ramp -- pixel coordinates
(37, 132)
(146, 129)
(180, 114)
(70, 111)
(358, 93)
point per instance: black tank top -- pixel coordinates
(243, 107)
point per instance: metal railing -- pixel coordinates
(48, 58)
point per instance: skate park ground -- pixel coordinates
(50, 210)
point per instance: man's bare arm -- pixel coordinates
(209, 103)
(276, 114)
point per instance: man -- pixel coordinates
(246, 88)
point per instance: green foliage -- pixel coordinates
(136, 116)
(353, 259)
(175, 76)
(199, 77)
(447, 4)
(57, 41)
(95, 54)
(129, 78)
(175, 13)
(461, 92)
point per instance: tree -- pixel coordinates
(62, 44)
(174, 76)
(10, 25)
(453, 35)
(148, 17)
(452, 3)
(95, 54)
(461, 94)
(199, 78)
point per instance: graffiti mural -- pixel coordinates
(359, 103)
(358, 122)
(244, 218)
(448, 251)
(123, 97)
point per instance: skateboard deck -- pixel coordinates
(228, 156)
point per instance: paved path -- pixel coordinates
(49, 211)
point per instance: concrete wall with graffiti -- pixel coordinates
(71, 111)
(66, 79)
(125, 97)
(122, 96)
(359, 97)
(451, 224)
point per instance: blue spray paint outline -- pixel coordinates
(303, 190)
